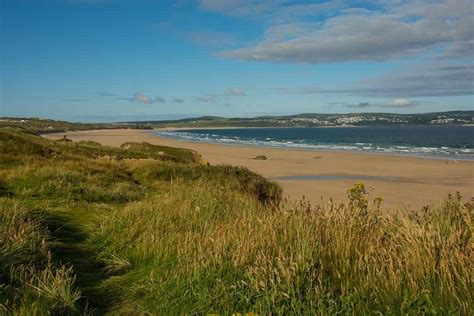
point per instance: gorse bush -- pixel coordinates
(85, 229)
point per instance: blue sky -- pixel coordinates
(105, 60)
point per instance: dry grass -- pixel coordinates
(214, 251)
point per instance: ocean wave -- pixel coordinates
(435, 152)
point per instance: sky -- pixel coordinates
(117, 60)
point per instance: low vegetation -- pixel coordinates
(50, 126)
(144, 229)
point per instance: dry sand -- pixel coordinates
(400, 180)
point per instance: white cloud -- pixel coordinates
(431, 80)
(206, 99)
(400, 103)
(141, 98)
(234, 91)
(461, 49)
(395, 30)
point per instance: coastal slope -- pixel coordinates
(147, 229)
(403, 182)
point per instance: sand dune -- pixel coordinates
(408, 181)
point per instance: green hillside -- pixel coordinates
(145, 229)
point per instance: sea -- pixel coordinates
(446, 142)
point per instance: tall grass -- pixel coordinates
(30, 283)
(165, 237)
(202, 250)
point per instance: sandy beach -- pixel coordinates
(409, 182)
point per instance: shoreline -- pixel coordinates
(320, 175)
(303, 148)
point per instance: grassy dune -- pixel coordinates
(144, 229)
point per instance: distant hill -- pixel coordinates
(39, 125)
(297, 120)
(319, 120)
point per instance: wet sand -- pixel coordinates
(409, 182)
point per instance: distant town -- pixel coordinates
(327, 120)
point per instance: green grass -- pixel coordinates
(30, 282)
(144, 229)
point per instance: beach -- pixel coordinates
(402, 181)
